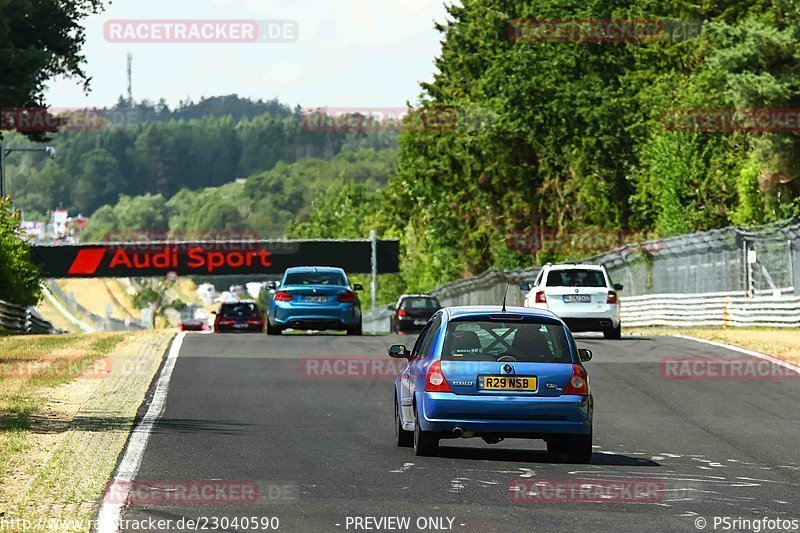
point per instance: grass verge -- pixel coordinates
(783, 343)
(67, 405)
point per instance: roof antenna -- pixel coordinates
(504, 297)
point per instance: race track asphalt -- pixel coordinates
(254, 409)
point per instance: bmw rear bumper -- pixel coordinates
(341, 316)
(523, 417)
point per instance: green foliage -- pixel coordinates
(172, 151)
(750, 209)
(40, 40)
(264, 203)
(154, 294)
(20, 281)
(576, 139)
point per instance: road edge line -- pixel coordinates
(759, 355)
(110, 514)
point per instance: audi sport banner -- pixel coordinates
(152, 259)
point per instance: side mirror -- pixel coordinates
(398, 351)
(584, 354)
(213, 312)
(358, 287)
(525, 286)
(618, 286)
(392, 308)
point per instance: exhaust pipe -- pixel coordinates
(457, 432)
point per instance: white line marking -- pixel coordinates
(775, 360)
(110, 515)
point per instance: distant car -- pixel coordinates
(580, 294)
(494, 373)
(192, 324)
(412, 312)
(239, 317)
(315, 298)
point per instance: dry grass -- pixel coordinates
(67, 404)
(783, 343)
(91, 294)
(55, 317)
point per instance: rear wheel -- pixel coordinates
(273, 330)
(613, 333)
(355, 330)
(425, 442)
(403, 438)
(579, 449)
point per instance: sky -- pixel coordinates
(348, 53)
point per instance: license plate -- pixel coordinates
(577, 298)
(420, 322)
(507, 383)
(317, 299)
(240, 326)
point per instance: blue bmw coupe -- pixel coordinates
(494, 373)
(315, 298)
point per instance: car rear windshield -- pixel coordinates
(240, 309)
(575, 278)
(420, 302)
(490, 340)
(314, 278)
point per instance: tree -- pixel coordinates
(153, 294)
(20, 281)
(40, 39)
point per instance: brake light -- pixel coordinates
(283, 296)
(227, 322)
(435, 381)
(540, 298)
(612, 297)
(348, 296)
(578, 383)
(254, 322)
(401, 312)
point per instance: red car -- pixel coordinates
(192, 324)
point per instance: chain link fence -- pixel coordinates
(745, 262)
(757, 260)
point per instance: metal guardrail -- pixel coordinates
(376, 320)
(710, 309)
(20, 319)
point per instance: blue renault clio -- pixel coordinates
(317, 298)
(494, 373)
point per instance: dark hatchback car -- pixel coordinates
(239, 317)
(412, 312)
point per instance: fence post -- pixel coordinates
(725, 315)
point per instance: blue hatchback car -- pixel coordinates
(315, 298)
(494, 373)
